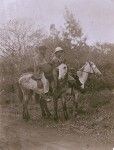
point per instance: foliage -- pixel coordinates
(18, 39)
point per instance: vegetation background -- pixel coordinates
(18, 39)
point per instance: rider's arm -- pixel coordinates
(36, 63)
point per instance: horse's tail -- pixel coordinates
(19, 92)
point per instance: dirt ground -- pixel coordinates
(40, 134)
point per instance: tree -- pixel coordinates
(74, 40)
(72, 25)
(17, 41)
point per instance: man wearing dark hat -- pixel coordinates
(39, 60)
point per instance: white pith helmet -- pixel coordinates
(58, 49)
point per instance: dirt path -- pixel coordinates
(15, 134)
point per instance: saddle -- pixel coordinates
(40, 84)
(39, 81)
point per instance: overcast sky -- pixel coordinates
(96, 16)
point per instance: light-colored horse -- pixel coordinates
(83, 73)
(28, 86)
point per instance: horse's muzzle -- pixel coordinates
(60, 79)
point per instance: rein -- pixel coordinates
(91, 68)
(64, 81)
(63, 84)
(89, 72)
(86, 72)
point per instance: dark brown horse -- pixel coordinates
(65, 87)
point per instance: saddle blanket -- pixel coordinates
(41, 87)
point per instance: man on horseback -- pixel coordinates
(59, 58)
(39, 60)
(56, 61)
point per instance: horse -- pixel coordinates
(27, 86)
(85, 71)
(65, 88)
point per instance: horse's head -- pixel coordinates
(63, 69)
(90, 67)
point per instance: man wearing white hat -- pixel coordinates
(58, 57)
(39, 60)
(57, 60)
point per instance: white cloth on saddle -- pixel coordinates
(45, 83)
(27, 82)
(70, 78)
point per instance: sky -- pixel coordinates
(96, 17)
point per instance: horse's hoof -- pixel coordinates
(66, 117)
(56, 118)
(26, 117)
(49, 115)
(43, 115)
(75, 114)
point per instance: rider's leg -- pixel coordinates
(45, 83)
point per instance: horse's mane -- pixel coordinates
(27, 70)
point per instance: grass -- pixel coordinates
(94, 115)
(96, 103)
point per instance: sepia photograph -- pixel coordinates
(56, 74)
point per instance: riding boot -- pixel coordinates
(48, 97)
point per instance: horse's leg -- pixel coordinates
(75, 102)
(42, 107)
(55, 101)
(25, 109)
(64, 107)
(45, 106)
(27, 96)
(38, 98)
(19, 92)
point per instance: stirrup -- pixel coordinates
(48, 97)
(36, 78)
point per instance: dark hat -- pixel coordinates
(42, 48)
